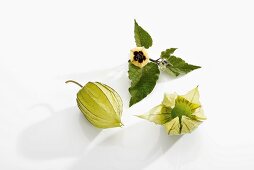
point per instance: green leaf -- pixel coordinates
(167, 53)
(143, 81)
(176, 65)
(142, 38)
(180, 66)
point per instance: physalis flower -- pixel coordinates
(139, 57)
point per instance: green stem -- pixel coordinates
(71, 81)
(155, 61)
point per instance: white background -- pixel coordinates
(43, 43)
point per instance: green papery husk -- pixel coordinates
(100, 104)
(158, 115)
(178, 114)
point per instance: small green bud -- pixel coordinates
(101, 105)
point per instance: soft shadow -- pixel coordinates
(65, 133)
(98, 74)
(134, 148)
(187, 150)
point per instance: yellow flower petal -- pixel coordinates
(137, 49)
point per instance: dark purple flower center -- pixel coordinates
(139, 56)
